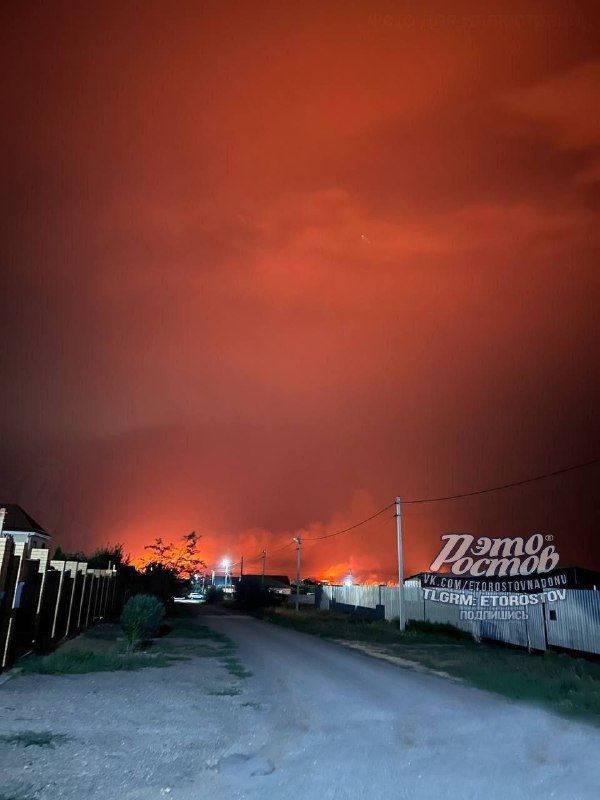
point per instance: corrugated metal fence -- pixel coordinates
(572, 623)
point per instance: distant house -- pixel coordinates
(279, 584)
(16, 522)
(218, 582)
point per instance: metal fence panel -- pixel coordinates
(414, 604)
(527, 632)
(446, 614)
(574, 623)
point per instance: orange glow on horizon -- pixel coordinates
(278, 267)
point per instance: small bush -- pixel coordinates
(141, 617)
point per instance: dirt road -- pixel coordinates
(342, 724)
(314, 719)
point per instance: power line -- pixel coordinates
(270, 553)
(345, 530)
(254, 559)
(502, 486)
(424, 500)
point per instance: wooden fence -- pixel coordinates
(44, 601)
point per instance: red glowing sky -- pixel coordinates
(267, 265)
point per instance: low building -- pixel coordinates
(278, 584)
(17, 523)
(226, 585)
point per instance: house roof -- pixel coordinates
(18, 521)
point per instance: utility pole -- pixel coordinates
(264, 558)
(298, 541)
(400, 564)
(242, 567)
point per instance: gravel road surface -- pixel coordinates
(314, 719)
(343, 725)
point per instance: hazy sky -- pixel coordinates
(266, 265)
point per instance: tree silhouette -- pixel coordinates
(182, 559)
(109, 555)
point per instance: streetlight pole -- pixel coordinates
(400, 564)
(242, 567)
(226, 565)
(264, 558)
(298, 541)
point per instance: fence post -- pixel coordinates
(59, 566)
(6, 555)
(71, 568)
(83, 568)
(42, 555)
(20, 552)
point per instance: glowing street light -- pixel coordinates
(226, 566)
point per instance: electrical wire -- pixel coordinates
(345, 530)
(256, 558)
(502, 486)
(424, 500)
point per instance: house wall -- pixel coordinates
(33, 539)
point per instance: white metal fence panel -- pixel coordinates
(391, 601)
(414, 603)
(574, 623)
(446, 614)
(527, 632)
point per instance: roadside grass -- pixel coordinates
(34, 739)
(235, 667)
(187, 634)
(77, 661)
(557, 681)
(347, 626)
(104, 632)
(102, 649)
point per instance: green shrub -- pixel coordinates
(141, 617)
